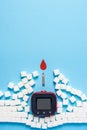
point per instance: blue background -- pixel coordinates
(54, 30)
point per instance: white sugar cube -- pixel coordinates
(17, 102)
(23, 104)
(59, 104)
(58, 86)
(52, 118)
(63, 96)
(47, 119)
(63, 86)
(44, 126)
(36, 119)
(78, 93)
(7, 94)
(29, 76)
(14, 96)
(68, 88)
(16, 88)
(10, 85)
(79, 103)
(24, 80)
(41, 120)
(69, 108)
(65, 80)
(59, 110)
(49, 124)
(23, 74)
(31, 82)
(30, 117)
(24, 92)
(84, 104)
(20, 95)
(65, 102)
(35, 74)
(56, 80)
(72, 99)
(25, 98)
(59, 92)
(38, 125)
(73, 91)
(83, 97)
(56, 72)
(27, 85)
(2, 102)
(19, 108)
(20, 85)
(27, 109)
(1, 94)
(61, 77)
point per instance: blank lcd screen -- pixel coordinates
(43, 103)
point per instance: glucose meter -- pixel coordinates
(43, 103)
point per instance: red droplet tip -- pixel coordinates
(43, 65)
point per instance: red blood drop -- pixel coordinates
(43, 65)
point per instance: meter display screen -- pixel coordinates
(43, 103)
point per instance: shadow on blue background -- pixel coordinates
(55, 30)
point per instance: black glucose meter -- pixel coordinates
(43, 103)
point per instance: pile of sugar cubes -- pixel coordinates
(14, 103)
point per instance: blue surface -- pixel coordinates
(55, 30)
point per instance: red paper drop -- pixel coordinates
(43, 65)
